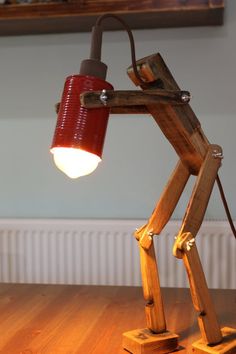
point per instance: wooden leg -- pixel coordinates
(185, 248)
(201, 194)
(154, 338)
(207, 320)
(151, 289)
(214, 340)
(165, 206)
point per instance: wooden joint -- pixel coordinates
(216, 152)
(183, 243)
(144, 236)
(146, 240)
(139, 231)
(186, 242)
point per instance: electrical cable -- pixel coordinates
(131, 39)
(228, 214)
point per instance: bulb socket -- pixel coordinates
(93, 67)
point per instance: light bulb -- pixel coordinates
(75, 162)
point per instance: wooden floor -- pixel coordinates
(66, 319)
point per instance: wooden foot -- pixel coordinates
(143, 341)
(227, 346)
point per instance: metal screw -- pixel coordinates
(189, 244)
(103, 97)
(217, 155)
(185, 97)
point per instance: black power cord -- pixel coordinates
(222, 194)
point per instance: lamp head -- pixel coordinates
(80, 132)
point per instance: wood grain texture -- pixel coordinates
(119, 110)
(227, 346)
(73, 319)
(201, 193)
(178, 123)
(92, 99)
(142, 341)
(154, 310)
(165, 206)
(207, 320)
(80, 15)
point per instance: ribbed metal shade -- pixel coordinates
(79, 127)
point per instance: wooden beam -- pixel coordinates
(110, 98)
(165, 206)
(202, 191)
(178, 123)
(207, 319)
(77, 15)
(119, 110)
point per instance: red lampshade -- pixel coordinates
(78, 127)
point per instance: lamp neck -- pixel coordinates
(94, 66)
(96, 41)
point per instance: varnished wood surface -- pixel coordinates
(69, 319)
(179, 124)
(92, 99)
(80, 15)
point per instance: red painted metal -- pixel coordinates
(79, 127)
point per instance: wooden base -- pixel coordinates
(228, 345)
(143, 341)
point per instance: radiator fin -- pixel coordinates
(105, 252)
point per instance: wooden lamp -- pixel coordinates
(161, 97)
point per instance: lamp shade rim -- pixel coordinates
(53, 149)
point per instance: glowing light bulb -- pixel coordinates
(75, 162)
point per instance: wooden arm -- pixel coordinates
(111, 98)
(178, 123)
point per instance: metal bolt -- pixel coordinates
(217, 155)
(103, 97)
(185, 97)
(190, 244)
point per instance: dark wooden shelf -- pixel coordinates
(79, 15)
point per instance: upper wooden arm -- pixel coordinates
(178, 123)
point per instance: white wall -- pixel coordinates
(137, 159)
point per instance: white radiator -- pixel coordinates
(105, 252)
